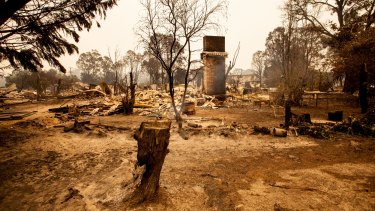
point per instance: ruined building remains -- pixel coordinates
(213, 57)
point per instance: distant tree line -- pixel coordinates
(50, 80)
(95, 68)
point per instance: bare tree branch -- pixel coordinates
(232, 63)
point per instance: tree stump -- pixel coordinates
(336, 116)
(153, 140)
(129, 101)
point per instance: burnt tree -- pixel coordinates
(129, 101)
(363, 80)
(288, 114)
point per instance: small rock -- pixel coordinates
(245, 126)
(68, 126)
(234, 124)
(198, 189)
(224, 133)
(278, 207)
(239, 207)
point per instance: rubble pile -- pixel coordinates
(363, 126)
(352, 126)
(6, 115)
(98, 108)
(11, 96)
(324, 129)
(99, 100)
(210, 126)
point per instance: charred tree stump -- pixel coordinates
(129, 100)
(336, 116)
(153, 140)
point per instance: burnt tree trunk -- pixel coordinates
(115, 86)
(38, 87)
(58, 88)
(288, 114)
(132, 91)
(153, 140)
(129, 101)
(363, 88)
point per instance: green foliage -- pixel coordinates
(358, 50)
(96, 68)
(152, 67)
(109, 72)
(351, 40)
(35, 31)
(48, 79)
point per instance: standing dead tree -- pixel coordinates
(118, 66)
(258, 63)
(128, 100)
(180, 21)
(232, 63)
(133, 61)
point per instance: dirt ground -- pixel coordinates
(217, 168)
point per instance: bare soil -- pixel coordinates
(217, 168)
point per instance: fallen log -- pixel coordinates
(140, 105)
(111, 127)
(262, 130)
(15, 115)
(64, 109)
(77, 125)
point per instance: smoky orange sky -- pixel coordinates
(248, 22)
